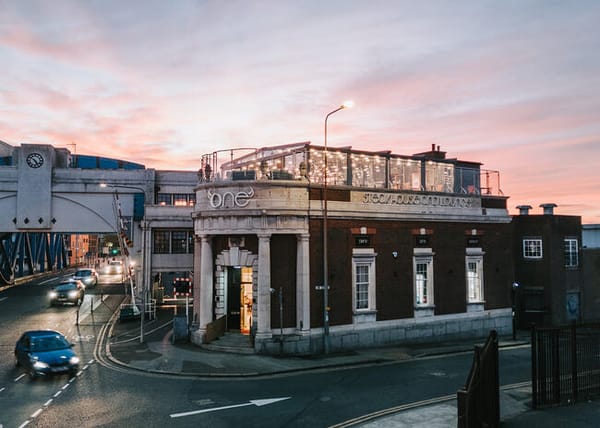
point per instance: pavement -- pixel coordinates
(161, 354)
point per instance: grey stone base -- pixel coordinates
(387, 333)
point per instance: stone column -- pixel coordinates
(205, 303)
(264, 287)
(303, 284)
(197, 282)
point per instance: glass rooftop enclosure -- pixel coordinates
(422, 172)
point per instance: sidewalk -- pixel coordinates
(160, 354)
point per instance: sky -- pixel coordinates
(514, 85)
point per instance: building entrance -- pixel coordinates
(239, 299)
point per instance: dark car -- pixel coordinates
(89, 277)
(72, 291)
(44, 352)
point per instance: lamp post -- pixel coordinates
(145, 278)
(347, 104)
(513, 295)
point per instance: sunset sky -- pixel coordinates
(512, 84)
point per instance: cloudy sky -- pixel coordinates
(512, 84)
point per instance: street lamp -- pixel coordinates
(513, 295)
(145, 279)
(347, 104)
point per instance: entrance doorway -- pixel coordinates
(239, 299)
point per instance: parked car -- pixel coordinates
(72, 291)
(44, 352)
(89, 277)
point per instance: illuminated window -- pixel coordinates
(163, 199)
(532, 248)
(180, 199)
(405, 174)
(474, 267)
(423, 277)
(439, 177)
(363, 281)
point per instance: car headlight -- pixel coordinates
(53, 294)
(73, 294)
(38, 365)
(74, 360)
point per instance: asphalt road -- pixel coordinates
(102, 395)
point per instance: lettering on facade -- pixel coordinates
(362, 241)
(230, 199)
(422, 200)
(473, 241)
(422, 241)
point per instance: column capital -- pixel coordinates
(303, 237)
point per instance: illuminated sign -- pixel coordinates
(418, 199)
(230, 199)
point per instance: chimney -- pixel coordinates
(548, 208)
(524, 209)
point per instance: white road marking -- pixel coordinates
(20, 377)
(258, 403)
(37, 413)
(3, 298)
(47, 403)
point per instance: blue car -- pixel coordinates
(44, 352)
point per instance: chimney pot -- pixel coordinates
(524, 209)
(548, 208)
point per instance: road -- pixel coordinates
(103, 395)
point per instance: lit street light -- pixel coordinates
(347, 104)
(145, 280)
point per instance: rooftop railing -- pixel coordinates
(348, 167)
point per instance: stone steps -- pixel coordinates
(234, 343)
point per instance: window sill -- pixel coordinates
(424, 311)
(361, 316)
(476, 306)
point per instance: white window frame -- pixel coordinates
(423, 257)
(532, 248)
(364, 257)
(571, 253)
(474, 283)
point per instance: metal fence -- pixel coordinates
(565, 364)
(479, 401)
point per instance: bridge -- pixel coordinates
(49, 195)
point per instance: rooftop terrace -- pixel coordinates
(429, 171)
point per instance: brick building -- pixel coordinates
(418, 248)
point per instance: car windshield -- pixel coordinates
(49, 343)
(83, 273)
(66, 286)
